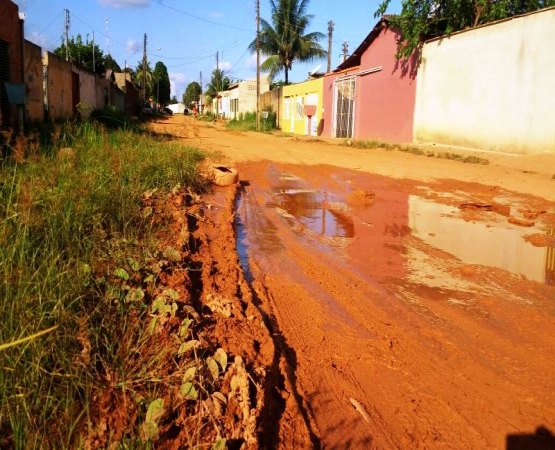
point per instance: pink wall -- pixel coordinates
(384, 105)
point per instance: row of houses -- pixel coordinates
(36, 85)
(491, 87)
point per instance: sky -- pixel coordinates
(186, 35)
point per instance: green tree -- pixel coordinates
(287, 40)
(111, 63)
(81, 53)
(218, 82)
(192, 93)
(161, 84)
(423, 19)
(173, 99)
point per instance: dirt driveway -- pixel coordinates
(413, 298)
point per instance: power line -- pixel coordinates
(159, 2)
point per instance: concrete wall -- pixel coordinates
(491, 88)
(384, 99)
(272, 100)
(87, 92)
(294, 99)
(58, 84)
(11, 32)
(34, 89)
(103, 93)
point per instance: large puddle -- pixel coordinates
(380, 230)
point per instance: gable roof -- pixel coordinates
(354, 59)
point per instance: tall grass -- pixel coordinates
(68, 219)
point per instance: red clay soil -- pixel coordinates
(387, 312)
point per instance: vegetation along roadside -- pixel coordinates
(84, 260)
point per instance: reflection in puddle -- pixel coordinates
(313, 209)
(502, 246)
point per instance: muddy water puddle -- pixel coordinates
(386, 233)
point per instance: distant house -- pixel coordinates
(302, 107)
(371, 95)
(12, 89)
(240, 98)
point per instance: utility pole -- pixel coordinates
(257, 64)
(66, 28)
(330, 33)
(218, 84)
(94, 59)
(200, 98)
(144, 70)
(345, 50)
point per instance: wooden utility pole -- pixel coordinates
(330, 33)
(345, 50)
(66, 32)
(257, 64)
(200, 98)
(144, 70)
(218, 84)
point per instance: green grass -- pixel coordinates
(247, 122)
(470, 159)
(69, 224)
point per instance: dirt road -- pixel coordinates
(412, 298)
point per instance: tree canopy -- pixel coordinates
(148, 77)
(161, 86)
(423, 19)
(218, 82)
(286, 39)
(192, 93)
(81, 53)
(111, 63)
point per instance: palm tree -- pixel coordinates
(286, 41)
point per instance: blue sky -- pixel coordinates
(189, 33)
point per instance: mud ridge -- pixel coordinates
(281, 376)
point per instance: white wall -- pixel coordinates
(492, 87)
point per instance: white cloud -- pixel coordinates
(178, 83)
(251, 62)
(132, 46)
(224, 65)
(39, 39)
(124, 3)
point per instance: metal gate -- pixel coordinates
(4, 76)
(344, 107)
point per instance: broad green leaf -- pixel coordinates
(189, 391)
(172, 254)
(172, 309)
(149, 278)
(212, 367)
(121, 273)
(159, 305)
(152, 325)
(135, 266)
(220, 444)
(190, 374)
(186, 346)
(184, 329)
(221, 357)
(153, 415)
(170, 293)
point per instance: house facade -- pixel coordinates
(371, 95)
(12, 89)
(302, 108)
(60, 84)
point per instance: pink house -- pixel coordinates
(371, 95)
